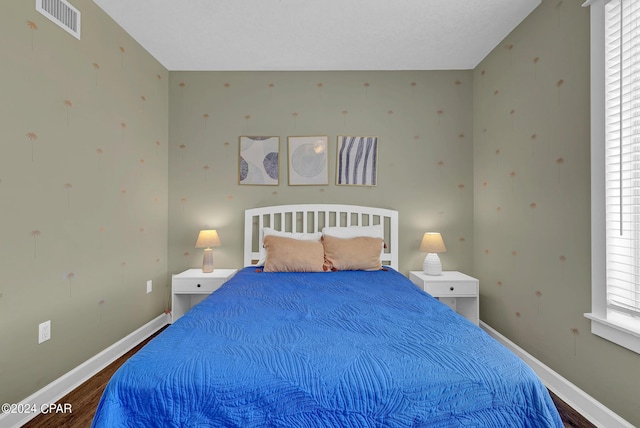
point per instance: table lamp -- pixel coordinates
(207, 239)
(433, 244)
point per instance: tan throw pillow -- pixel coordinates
(361, 253)
(293, 255)
(266, 231)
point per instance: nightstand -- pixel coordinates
(454, 289)
(192, 286)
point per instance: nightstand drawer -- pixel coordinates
(193, 286)
(200, 285)
(454, 289)
(451, 288)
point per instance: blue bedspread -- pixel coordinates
(337, 349)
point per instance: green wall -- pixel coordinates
(130, 161)
(532, 203)
(423, 121)
(83, 192)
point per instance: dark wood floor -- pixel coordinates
(85, 398)
(569, 416)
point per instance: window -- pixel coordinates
(615, 171)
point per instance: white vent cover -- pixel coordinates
(62, 13)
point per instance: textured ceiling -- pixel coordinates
(318, 35)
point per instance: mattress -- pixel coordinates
(334, 349)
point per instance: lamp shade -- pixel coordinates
(432, 243)
(208, 239)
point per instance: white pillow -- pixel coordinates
(374, 231)
(302, 236)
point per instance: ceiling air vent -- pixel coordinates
(61, 13)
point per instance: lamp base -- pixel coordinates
(207, 260)
(432, 265)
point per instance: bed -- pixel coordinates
(329, 348)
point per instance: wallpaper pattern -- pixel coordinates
(110, 165)
(83, 192)
(422, 120)
(532, 202)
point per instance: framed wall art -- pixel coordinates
(259, 161)
(357, 161)
(308, 161)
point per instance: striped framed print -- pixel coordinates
(357, 159)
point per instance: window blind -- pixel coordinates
(622, 55)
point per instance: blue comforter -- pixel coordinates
(338, 349)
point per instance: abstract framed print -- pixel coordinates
(308, 161)
(357, 161)
(259, 161)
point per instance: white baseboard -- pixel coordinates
(586, 405)
(76, 377)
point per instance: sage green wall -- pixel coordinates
(532, 202)
(83, 192)
(93, 184)
(423, 121)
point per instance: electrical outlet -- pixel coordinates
(149, 286)
(44, 331)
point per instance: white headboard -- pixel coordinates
(312, 218)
